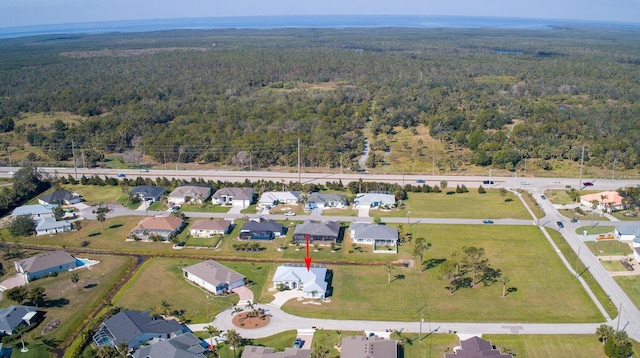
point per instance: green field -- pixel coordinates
(609, 247)
(543, 290)
(631, 286)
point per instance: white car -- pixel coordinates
(289, 213)
(144, 170)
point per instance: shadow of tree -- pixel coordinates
(59, 302)
(115, 226)
(91, 285)
(510, 290)
(94, 234)
(431, 263)
(399, 277)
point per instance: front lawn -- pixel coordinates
(542, 290)
(609, 247)
(546, 345)
(631, 286)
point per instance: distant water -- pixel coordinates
(272, 22)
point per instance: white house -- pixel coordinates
(313, 283)
(608, 201)
(626, 232)
(326, 200)
(213, 277)
(49, 226)
(374, 200)
(240, 197)
(36, 211)
(373, 234)
(197, 194)
(44, 264)
(272, 198)
(210, 228)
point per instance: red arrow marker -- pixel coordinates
(307, 259)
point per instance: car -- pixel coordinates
(487, 221)
(560, 224)
(543, 197)
(588, 183)
(524, 183)
(121, 175)
(144, 170)
(297, 343)
(487, 182)
(420, 181)
(11, 172)
(289, 213)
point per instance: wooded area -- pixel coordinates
(244, 97)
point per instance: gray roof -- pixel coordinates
(267, 352)
(50, 223)
(213, 272)
(195, 191)
(45, 261)
(148, 190)
(373, 231)
(36, 209)
(625, 229)
(236, 193)
(58, 196)
(268, 225)
(127, 325)
(324, 197)
(368, 347)
(371, 198)
(320, 228)
(182, 346)
(476, 347)
(12, 316)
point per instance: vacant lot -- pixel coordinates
(542, 289)
(609, 247)
(544, 346)
(471, 205)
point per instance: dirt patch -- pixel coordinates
(244, 320)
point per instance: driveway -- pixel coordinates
(11, 282)
(245, 295)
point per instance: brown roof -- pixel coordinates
(213, 272)
(170, 223)
(219, 224)
(266, 352)
(368, 347)
(476, 347)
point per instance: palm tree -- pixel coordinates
(234, 339)
(20, 331)
(251, 306)
(213, 331)
(319, 351)
(75, 278)
(604, 332)
(101, 216)
(164, 305)
(420, 245)
(76, 225)
(389, 268)
(505, 280)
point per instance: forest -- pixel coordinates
(243, 98)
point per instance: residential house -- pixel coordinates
(148, 192)
(273, 198)
(476, 347)
(323, 232)
(373, 234)
(60, 197)
(312, 282)
(210, 228)
(45, 264)
(13, 317)
(627, 232)
(607, 201)
(50, 226)
(326, 200)
(239, 197)
(374, 200)
(261, 230)
(189, 194)
(213, 277)
(267, 352)
(184, 345)
(368, 347)
(162, 228)
(37, 211)
(135, 328)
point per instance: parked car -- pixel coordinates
(289, 213)
(297, 343)
(560, 224)
(487, 221)
(121, 175)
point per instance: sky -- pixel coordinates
(14, 13)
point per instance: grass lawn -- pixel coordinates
(595, 230)
(543, 290)
(533, 205)
(631, 286)
(161, 279)
(72, 306)
(340, 212)
(206, 208)
(94, 194)
(471, 205)
(613, 266)
(609, 247)
(543, 345)
(630, 215)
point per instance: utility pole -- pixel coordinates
(581, 164)
(8, 151)
(298, 160)
(84, 164)
(613, 171)
(577, 260)
(164, 159)
(340, 163)
(250, 163)
(73, 152)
